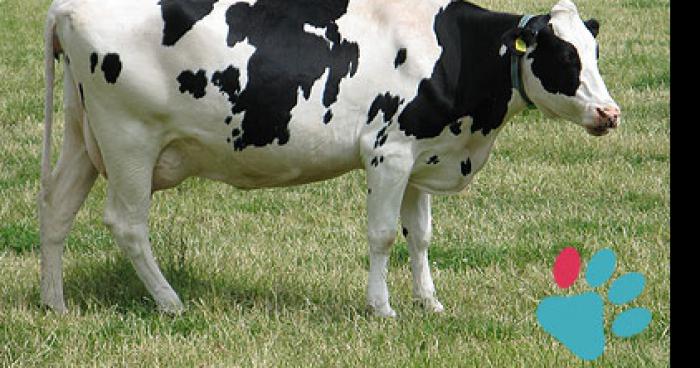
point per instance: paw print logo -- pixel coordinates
(577, 320)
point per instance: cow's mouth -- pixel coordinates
(607, 118)
(598, 131)
(603, 127)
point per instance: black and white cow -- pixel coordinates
(266, 93)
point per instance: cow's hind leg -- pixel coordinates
(129, 163)
(67, 188)
(417, 228)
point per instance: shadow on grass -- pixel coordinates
(19, 237)
(112, 283)
(476, 256)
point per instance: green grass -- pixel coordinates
(277, 277)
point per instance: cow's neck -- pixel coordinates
(484, 88)
(470, 79)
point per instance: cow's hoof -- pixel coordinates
(431, 305)
(54, 302)
(171, 306)
(172, 310)
(383, 311)
(56, 307)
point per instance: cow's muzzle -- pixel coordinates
(607, 118)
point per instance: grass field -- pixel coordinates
(278, 277)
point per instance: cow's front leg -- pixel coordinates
(386, 185)
(417, 228)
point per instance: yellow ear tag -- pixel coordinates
(520, 45)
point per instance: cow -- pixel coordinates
(273, 93)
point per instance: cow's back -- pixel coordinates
(264, 94)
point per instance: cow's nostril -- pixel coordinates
(609, 115)
(601, 112)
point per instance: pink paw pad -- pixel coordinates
(566, 267)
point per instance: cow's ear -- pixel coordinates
(517, 40)
(593, 26)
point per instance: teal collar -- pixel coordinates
(515, 62)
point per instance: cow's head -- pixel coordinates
(559, 56)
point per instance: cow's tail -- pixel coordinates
(51, 49)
